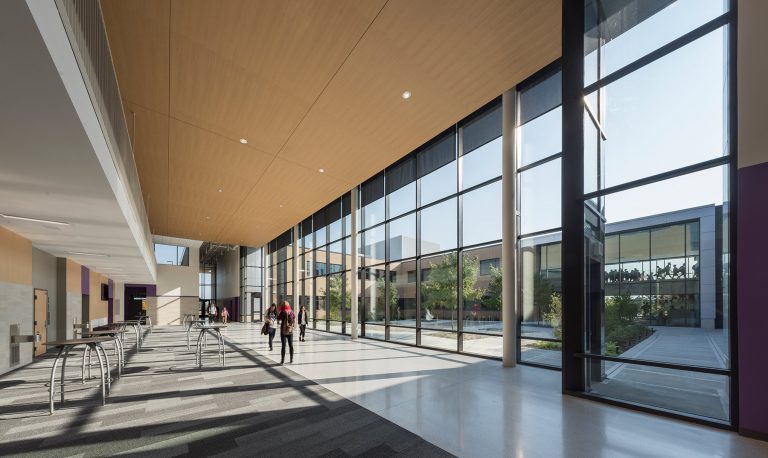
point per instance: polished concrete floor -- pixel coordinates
(165, 406)
(474, 407)
(339, 398)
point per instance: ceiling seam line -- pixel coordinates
(333, 76)
(168, 181)
(204, 129)
(322, 91)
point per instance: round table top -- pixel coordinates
(106, 332)
(214, 326)
(86, 340)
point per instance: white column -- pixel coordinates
(265, 300)
(353, 266)
(509, 229)
(296, 259)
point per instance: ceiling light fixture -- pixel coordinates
(281, 205)
(80, 253)
(34, 220)
(207, 217)
(220, 189)
(243, 141)
(321, 170)
(406, 95)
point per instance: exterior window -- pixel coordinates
(171, 255)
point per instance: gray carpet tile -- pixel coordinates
(163, 405)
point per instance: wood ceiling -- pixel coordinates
(310, 84)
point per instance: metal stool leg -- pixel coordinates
(103, 378)
(52, 386)
(63, 367)
(85, 355)
(100, 348)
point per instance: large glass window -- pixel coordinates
(438, 227)
(171, 255)
(402, 293)
(402, 237)
(481, 218)
(655, 284)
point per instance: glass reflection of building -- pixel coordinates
(667, 262)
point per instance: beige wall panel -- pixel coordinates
(74, 275)
(15, 258)
(138, 38)
(99, 310)
(752, 76)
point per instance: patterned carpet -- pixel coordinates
(164, 406)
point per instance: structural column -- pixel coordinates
(353, 266)
(509, 229)
(296, 259)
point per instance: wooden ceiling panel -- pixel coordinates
(453, 56)
(252, 69)
(311, 85)
(149, 133)
(201, 163)
(138, 32)
(279, 200)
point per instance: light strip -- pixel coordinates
(98, 255)
(34, 220)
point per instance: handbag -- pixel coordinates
(265, 328)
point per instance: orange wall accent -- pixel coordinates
(73, 277)
(98, 308)
(15, 258)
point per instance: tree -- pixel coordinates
(554, 315)
(542, 294)
(493, 294)
(439, 294)
(393, 298)
(335, 294)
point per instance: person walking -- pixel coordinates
(303, 319)
(272, 321)
(287, 321)
(212, 311)
(224, 314)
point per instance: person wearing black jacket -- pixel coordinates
(303, 319)
(287, 321)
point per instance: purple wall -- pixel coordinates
(85, 280)
(752, 271)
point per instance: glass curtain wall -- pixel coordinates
(325, 259)
(430, 237)
(252, 283)
(657, 163)
(539, 153)
(280, 272)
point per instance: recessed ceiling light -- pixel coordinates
(406, 95)
(281, 205)
(34, 220)
(221, 189)
(243, 141)
(207, 217)
(321, 170)
(80, 253)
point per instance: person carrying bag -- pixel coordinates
(287, 321)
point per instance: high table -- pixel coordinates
(116, 336)
(91, 343)
(136, 324)
(193, 324)
(216, 329)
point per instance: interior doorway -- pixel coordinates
(256, 307)
(134, 299)
(41, 320)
